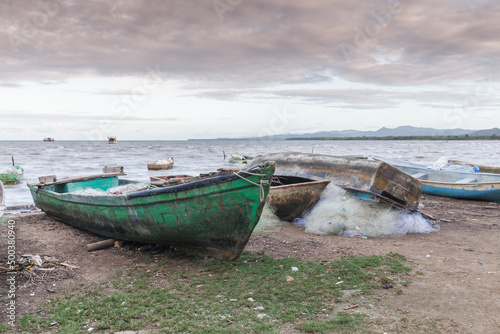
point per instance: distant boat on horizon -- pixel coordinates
(111, 140)
(48, 139)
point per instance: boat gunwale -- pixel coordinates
(460, 183)
(302, 184)
(204, 183)
(194, 184)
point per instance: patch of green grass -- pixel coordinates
(343, 322)
(5, 327)
(254, 294)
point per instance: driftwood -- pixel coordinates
(101, 245)
(69, 265)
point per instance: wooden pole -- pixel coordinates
(101, 245)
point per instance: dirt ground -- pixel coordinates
(458, 289)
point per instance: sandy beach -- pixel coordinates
(456, 290)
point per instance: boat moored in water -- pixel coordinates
(11, 175)
(162, 164)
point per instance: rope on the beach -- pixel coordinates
(260, 185)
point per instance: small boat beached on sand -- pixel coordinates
(291, 196)
(162, 164)
(215, 216)
(475, 186)
(369, 180)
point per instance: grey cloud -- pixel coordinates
(10, 84)
(80, 116)
(257, 44)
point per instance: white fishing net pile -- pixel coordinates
(268, 220)
(118, 190)
(339, 213)
(11, 170)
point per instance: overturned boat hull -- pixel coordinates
(370, 180)
(291, 196)
(214, 216)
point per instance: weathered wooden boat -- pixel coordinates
(215, 216)
(111, 140)
(366, 179)
(237, 159)
(162, 164)
(492, 169)
(11, 175)
(291, 196)
(475, 186)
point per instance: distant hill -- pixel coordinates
(485, 133)
(386, 132)
(400, 131)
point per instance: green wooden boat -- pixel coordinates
(215, 216)
(11, 175)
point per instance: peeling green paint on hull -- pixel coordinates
(214, 216)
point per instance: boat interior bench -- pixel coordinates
(419, 175)
(466, 180)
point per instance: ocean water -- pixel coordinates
(77, 158)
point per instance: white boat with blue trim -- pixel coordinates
(474, 186)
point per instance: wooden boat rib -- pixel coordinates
(369, 180)
(291, 196)
(476, 186)
(215, 216)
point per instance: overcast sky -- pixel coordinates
(179, 69)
